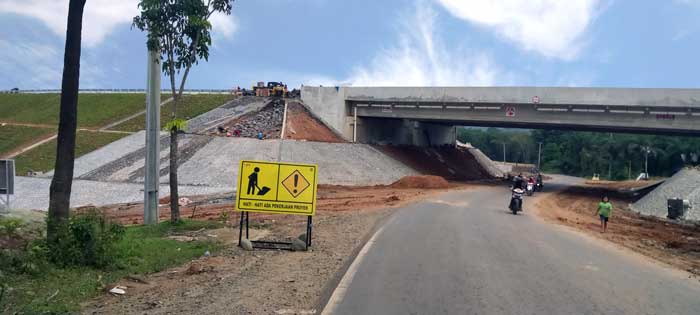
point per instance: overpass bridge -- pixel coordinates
(427, 115)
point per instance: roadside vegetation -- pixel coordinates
(188, 107)
(613, 156)
(12, 137)
(92, 255)
(94, 110)
(43, 157)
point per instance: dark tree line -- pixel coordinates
(616, 156)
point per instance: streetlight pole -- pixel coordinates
(151, 180)
(646, 162)
(539, 157)
(504, 153)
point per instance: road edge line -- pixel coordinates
(341, 289)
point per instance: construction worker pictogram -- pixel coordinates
(277, 187)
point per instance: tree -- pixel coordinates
(62, 181)
(180, 31)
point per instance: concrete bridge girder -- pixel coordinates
(402, 115)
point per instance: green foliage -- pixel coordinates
(177, 124)
(225, 215)
(520, 147)
(88, 240)
(584, 153)
(9, 226)
(43, 157)
(179, 30)
(31, 279)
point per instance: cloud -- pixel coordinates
(420, 58)
(29, 65)
(223, 25)
(553, 28)
(100, 18)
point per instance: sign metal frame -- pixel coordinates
(245, 210)
(8, 180)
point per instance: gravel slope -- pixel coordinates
(685, 184)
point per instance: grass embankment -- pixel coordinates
(143, 250)
(43, 157)
(94, 110)
(189, 107)
(13, 137)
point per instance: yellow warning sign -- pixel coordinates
(277, 187)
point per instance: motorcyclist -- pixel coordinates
(531, 180)
(539, 181)
(518, 181)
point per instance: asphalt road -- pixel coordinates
(464, 253)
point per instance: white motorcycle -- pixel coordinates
(530, 189)
(516, 201)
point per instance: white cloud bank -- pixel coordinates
(100, 18)
(421, 58)
(553, 28)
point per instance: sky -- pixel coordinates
(598, 43)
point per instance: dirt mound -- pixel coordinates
(422, 181)
(301, 125)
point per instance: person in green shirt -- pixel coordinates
(604, 211)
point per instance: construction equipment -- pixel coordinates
(260, 89)
(277, 89)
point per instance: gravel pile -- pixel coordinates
(268, 120)
(685, 185)
(235, 108)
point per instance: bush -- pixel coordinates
(9, 226)
(88, 240)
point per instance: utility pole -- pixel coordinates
(152, 179)
(610, 160)
(539, 157)
(647, 150)
(629, 170)
(504, 153)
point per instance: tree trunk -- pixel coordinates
(193, 53)
(61, 184)
(174, 196)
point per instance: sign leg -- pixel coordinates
(247, 217)
(240, 229)
(309, 224)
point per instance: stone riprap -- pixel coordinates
(684, 185)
